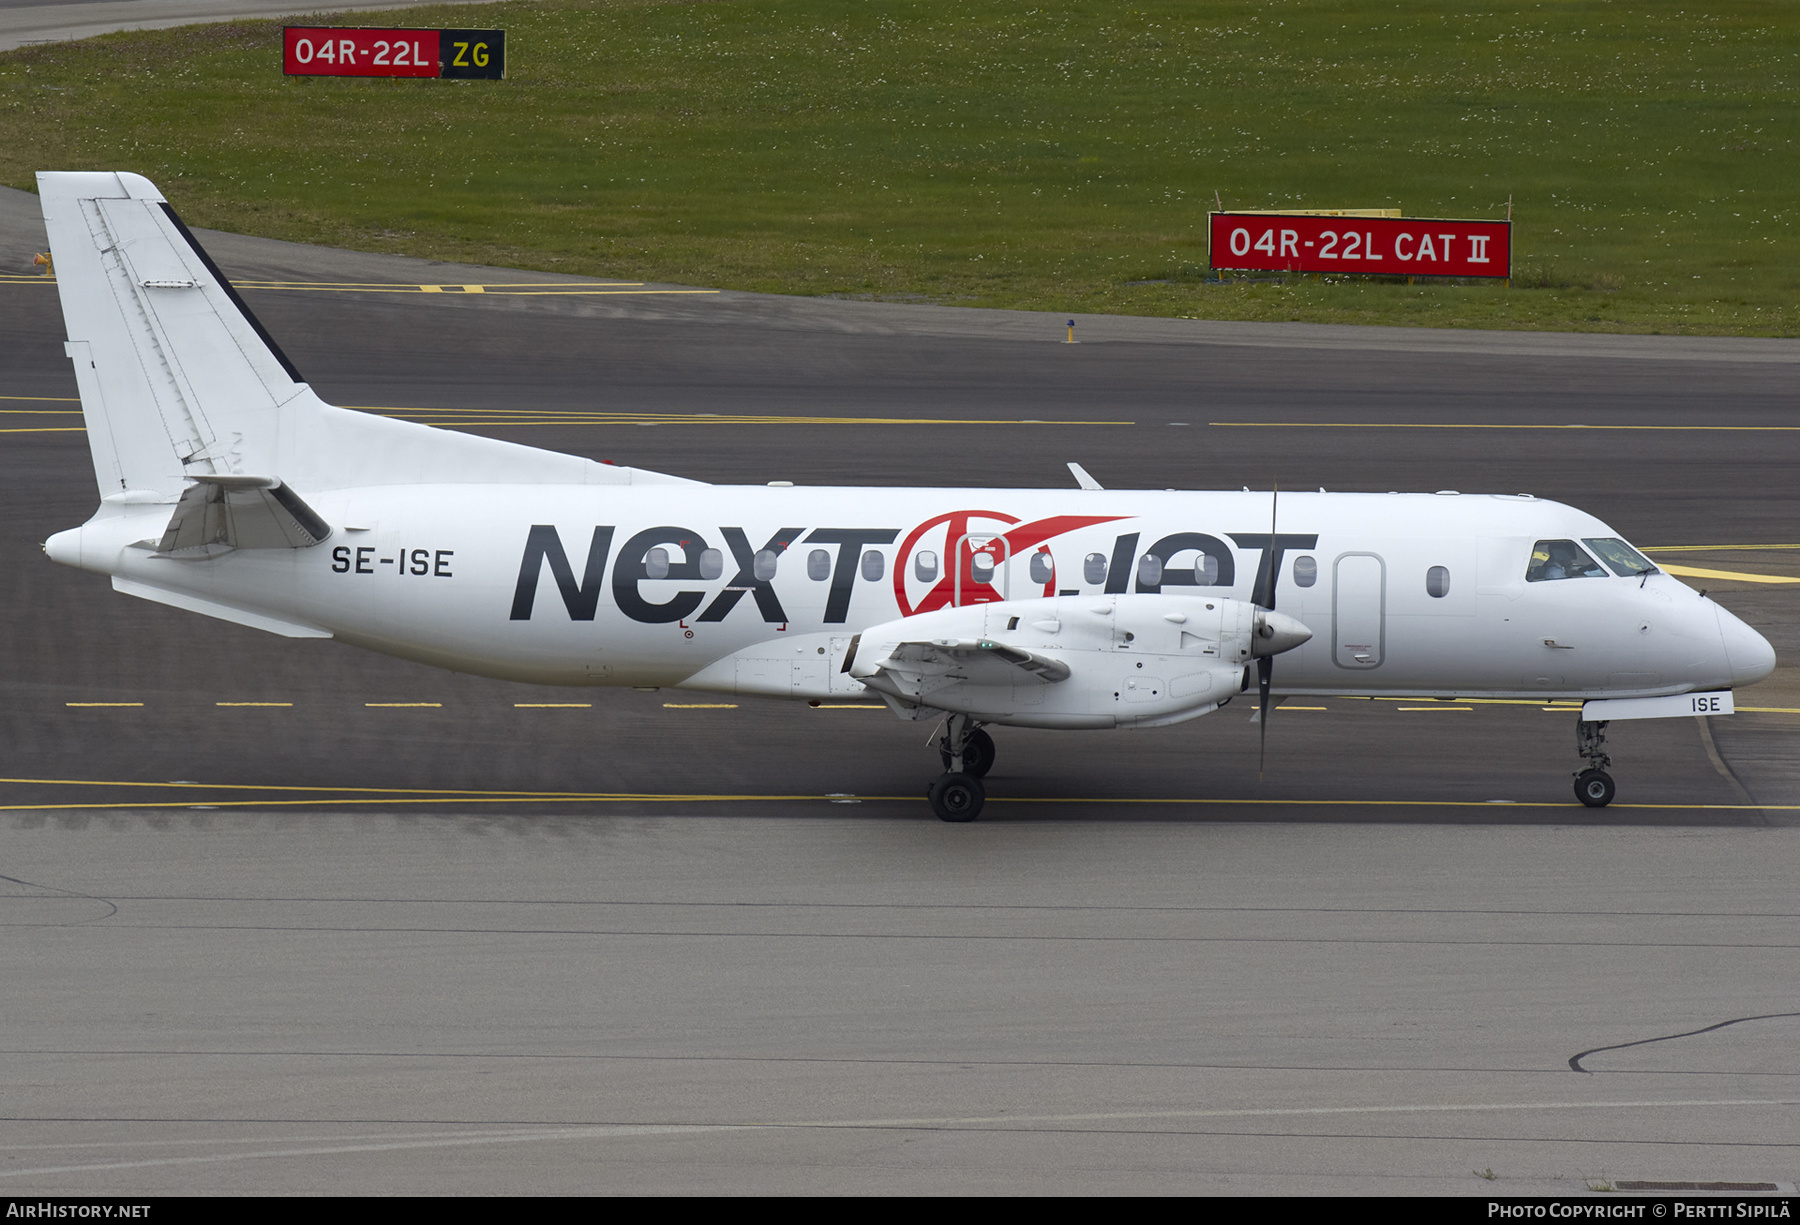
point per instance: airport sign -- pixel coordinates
(1339, 242)
(357, 51)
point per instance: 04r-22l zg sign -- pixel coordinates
(357, 51)
(1390, 246)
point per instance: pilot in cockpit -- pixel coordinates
(1554, 559)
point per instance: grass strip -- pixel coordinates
(1058, 157)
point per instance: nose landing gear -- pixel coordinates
(1593, 786)
(967, 753)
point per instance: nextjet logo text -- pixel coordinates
(961, 557)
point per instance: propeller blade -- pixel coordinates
(1265, 669)
(1268, 577)
(1265, 665)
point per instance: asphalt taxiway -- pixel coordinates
(288, 917)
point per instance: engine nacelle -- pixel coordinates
(1133, 660)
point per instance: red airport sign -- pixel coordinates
(1403, 246)
(345, 51)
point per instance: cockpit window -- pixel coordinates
(1621, 558)
(1554, 559)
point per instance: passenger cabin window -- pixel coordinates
(1043, 570)
(874, 565)
(1437, 582)
(1554, 559)
(1306, 571)
(925, 565)
(981, 567)
(712, 563)
(1149, 570)
(656, 563)
(1093, 569)
(818, 565)
(1621, 558)
(1206, 570)
(762, 566)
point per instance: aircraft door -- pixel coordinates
(983, 574)
(1359, 611)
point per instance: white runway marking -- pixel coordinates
(608, 1131)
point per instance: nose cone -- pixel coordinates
(1276, 632)
(1748, 652)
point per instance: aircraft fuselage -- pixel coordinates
(1420, 594)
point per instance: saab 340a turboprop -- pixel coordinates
(228, 488)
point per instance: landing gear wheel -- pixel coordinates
(1594, 788)
(957, 797)
(978, 754)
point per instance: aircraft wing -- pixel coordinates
(912, 668)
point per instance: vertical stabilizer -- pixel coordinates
(179, 382)
(177, 378)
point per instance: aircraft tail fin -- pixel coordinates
(177, 377)
(180, 383)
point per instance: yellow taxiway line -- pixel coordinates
(504, 288)
(210, 802)
(1734, 576)
(1489, 425)
(1712, 548)
(396, 285)
(538, 416)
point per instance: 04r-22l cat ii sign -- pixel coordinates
(1336, 242)
(228, 488)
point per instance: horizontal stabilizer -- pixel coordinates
(241, 512)
(287, 627)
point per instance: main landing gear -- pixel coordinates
(968, 754)
(1593, 786)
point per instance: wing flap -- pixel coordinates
(981, 661)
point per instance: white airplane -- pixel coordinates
(228, 488)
